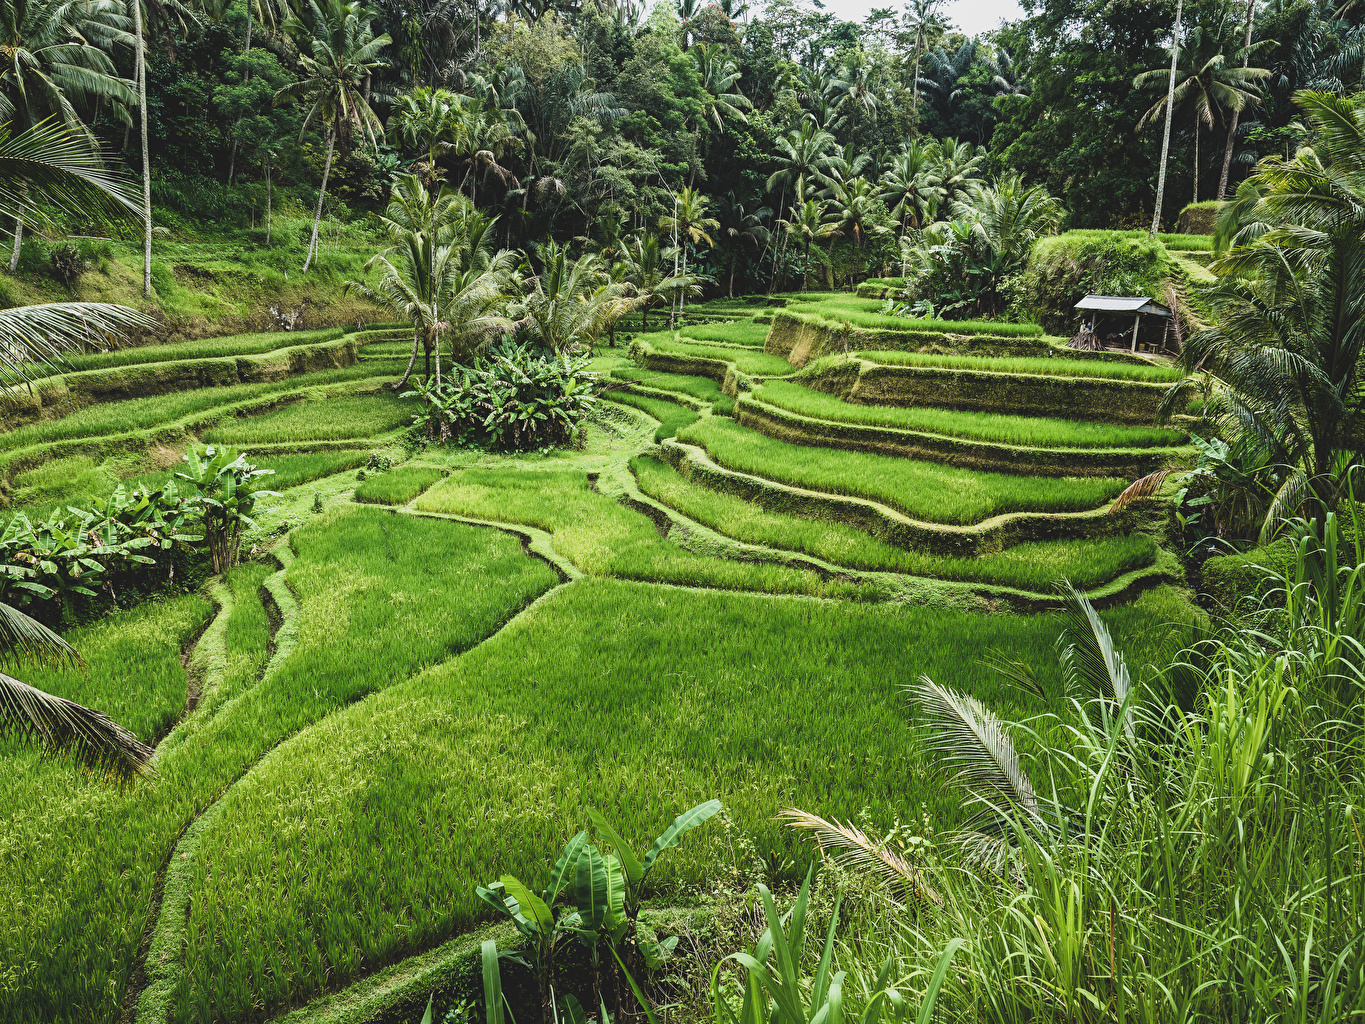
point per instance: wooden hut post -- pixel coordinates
(1137, 321)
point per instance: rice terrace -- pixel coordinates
(600, 513)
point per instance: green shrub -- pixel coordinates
(1063, 269)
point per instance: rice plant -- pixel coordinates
(601, 536)
(867, 313)
(703, 388)
(922, 490)
(744, 333)
(397, 486)
(1030, 364)
(361, 840)
(671, 415)
(205, 348)
(1034, 566)
(1016, 430)
(750, 361)
(333, 419)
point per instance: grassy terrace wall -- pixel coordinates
(784, 425)
(117, 383)
(800, 337)
(886, 524)
(1082, 398)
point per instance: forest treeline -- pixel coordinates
(810, 147)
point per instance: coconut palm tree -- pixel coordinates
(422, 119)
(958, 168)
(923, 16)
(719, 73)
(743, 227)
(1206, 82)
(342, 52)
(643, 264)
(808, 221)
(53, 64)
(571, 302)
(689, 225)
(911, 186)
(441, 273)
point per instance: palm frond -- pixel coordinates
(32, 336)
(850, 847)
(60, 726)
(59, 166)
(1140, 489)
(24, 640)
(973, 744)
(1092, 667)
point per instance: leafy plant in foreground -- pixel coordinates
(222, 478)
(605, 894)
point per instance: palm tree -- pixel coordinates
(642, 267)
(479, 137)
(1236, 114)
(743, 227)
(52, 66)
(852, 92)
(1205, 83)
(1287, 342)
(1166, 130)
(422, 118)
(53, 723)
(441, 274)
(923, 15)
(719, 73)
(809, 221)
(801, 154)
(571, 301)
(943, 78)
(911, 186)
(344, 53)
(690, 223)
(958, 168)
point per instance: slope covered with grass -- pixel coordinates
(921, 490)
(1059, 366)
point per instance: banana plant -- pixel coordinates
(637, 868)
(538, 918)
(776, 992)
(223, 479)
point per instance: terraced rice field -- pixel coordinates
(1030, 364)
(421, 680)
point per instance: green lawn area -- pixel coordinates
(922, 490)
(1017, 430)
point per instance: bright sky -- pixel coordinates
(970, 16)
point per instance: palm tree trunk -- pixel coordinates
(1166, 135)
(1196, 159)
(732, 277)
(18, 241)
(914, 103)
(268, 207)
(317, 215)
(408, 372)
(140, 60)
(1232, 125)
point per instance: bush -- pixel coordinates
(518, 398)
(68, 264)
(1063, 269)
(1198, 218)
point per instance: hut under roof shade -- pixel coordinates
(1140, 305)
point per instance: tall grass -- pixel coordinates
(867, 313)
(1016, 430)
(1195, 855)
(360, 841)
(922, 490)
(333, 419)
(1030, 566)
(1031, 364)
(381, 596)
(671, 415)
(1175, 242)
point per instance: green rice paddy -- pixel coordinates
(1016, 430)
(207, 348)
(867, 313)
(334, 419)
(1030, 566)
(444, 700)
(1031, 364)
(921, 490)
